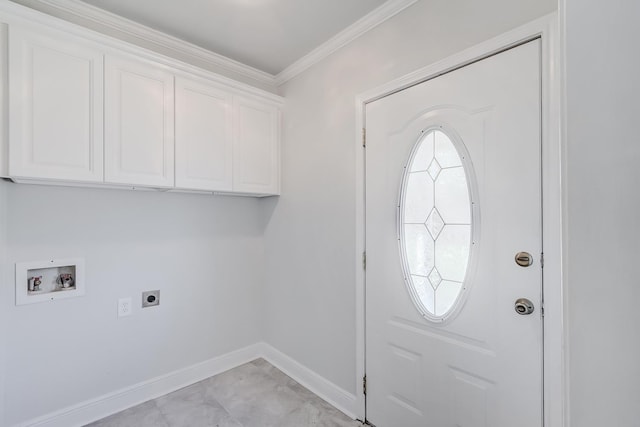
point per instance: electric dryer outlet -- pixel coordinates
(150, 298)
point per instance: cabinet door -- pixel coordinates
(204, 145)
(256, 149)
(138, 123)
(55, 107)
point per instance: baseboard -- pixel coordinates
(336, 396)
(95, 409)
(108, 404)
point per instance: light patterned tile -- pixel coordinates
(190, 406)
(144, 415)
(252, 395)
(313, 414)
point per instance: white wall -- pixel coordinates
(603, 182)
(204, 253)
(310, 240)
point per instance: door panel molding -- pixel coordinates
(546, 29)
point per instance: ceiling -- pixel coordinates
(265, 34)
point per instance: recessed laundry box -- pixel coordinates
(39, 281)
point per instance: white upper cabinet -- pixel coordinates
(139, 123)
(256, 155)
(55, 107)
(87, 109)
(204, 136)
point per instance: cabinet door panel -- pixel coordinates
(203, 137)
(256, 153)
(139, 124)
(55, 107)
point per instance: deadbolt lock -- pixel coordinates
(524, 306)
(524, 259)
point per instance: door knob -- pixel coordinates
(524, 306)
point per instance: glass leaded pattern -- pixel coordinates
(436, 224)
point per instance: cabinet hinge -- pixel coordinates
(364, 137)
(364, 260)
(542, 260)
(364, 385)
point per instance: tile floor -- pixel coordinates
(252, 395)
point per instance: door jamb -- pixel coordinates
(554, 358)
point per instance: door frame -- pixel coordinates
(553, 288)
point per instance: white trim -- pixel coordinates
(371, 20)
(554, 217)
(4, 101)
(553, 143)
(561, 73)
(111, 403)
(360, 256)
(18, 15)
(5, 277)
(320, 386)
(126, 26)
(103, 406)
(134, 29)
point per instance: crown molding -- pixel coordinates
(123, 25)
(115, 22)
(371, 20)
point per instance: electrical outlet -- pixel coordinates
(124, 307)
(150, 298)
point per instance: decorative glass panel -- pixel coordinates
(452, 251)
(420, 198)
(436, 224)
(419, 247)
(426, 293)
(446, 296)
(424, 154)
(452, 196)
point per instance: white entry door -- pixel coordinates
(453, 207)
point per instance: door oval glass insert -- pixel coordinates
(436, 224)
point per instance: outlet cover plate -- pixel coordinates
(124, 307)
